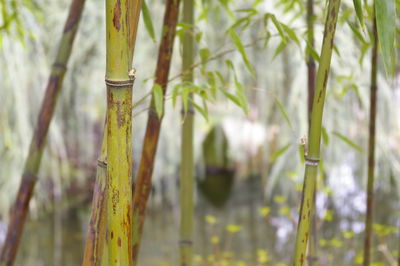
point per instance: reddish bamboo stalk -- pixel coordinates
(32, 163)
(143, 179)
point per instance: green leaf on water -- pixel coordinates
(147, 21)
(386, 25)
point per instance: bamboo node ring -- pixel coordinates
(185, 242)
(119, 84)
(312, 161)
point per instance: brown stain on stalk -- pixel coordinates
(117, 15)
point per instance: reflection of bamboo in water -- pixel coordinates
(32, 163)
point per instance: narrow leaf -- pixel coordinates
(359, 11)
(158, 99)
(147, 21)
(348, 141)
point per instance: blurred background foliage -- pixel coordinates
(250, 83)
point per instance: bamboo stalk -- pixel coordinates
(96, 247)
(312, 158)
(371, 146)
(121, 27)
(312, 248)
(32, 163)
(186, 175)
(96, 236)
(143, 180)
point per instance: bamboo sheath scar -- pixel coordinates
(96, 246)
(143, 179)
(186, 171)
(312, 159)
(32, 163)
(371, 147)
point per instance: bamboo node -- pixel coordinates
(60, 66)
(186, 242)
(312, 161)
(102, 164)
(119, 84)
(132, 74)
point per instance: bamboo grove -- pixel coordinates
(121, 192)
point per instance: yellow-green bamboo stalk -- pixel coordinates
(96, 248)
(96, 236)
(371, 145)
(121, 27)
(186, 178)
(312, 158)
(143, 179)
(32, 163)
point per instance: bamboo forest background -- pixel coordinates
(250, 87)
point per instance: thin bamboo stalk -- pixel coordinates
(186, 175)
(32, 163)
(96, 236)
(312, 248)
(121, 26)
(371, 146)
(312, 158)
(143, 180)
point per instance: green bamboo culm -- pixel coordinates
(312, 248)
(186, 171)
(312, 158)
(143, 179)
(121, 27)
(32, 163)
(371, 144)
(96, 246)
(95, 250)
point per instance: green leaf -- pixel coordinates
(147, 21)
(238, 43)
(291, 34)
(283, 111)
(386, 25)
(158, 99)
(204, 55)
(279, 152)
(359, 11)
(202, 111)
(279, 49)
(348, 141)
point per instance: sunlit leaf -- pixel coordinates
(158, 99)
(239, 45)
(348, 141)
(279, 152)
(283, 111)
(386, 25)
(359, 11)
(148, 21)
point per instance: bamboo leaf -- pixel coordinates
(279, 152)
(292, 35)
(386, 25)
(279, 49)
(147, 21)
(158, 99)
(348, 141)
(239, 45)
(202, 111)
(283, 111)
(359, 11)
